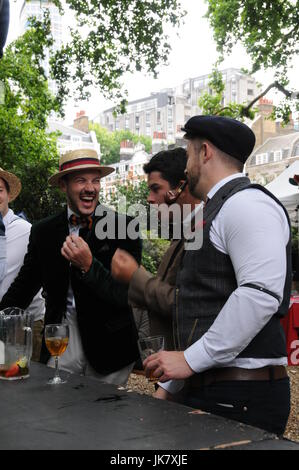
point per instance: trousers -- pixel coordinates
(263, 404)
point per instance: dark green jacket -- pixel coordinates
(105, 320)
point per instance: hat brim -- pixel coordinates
(13, 182)
(104, 171)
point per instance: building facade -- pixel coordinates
(128, 171)
(167, 111)
(36, 8)
(272, 157)
(76, 136)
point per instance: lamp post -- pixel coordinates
(4, 23)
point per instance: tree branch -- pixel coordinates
(287, 93)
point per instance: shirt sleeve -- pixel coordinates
(253, 231)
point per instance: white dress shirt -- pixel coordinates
(2, 255)
(252, 229)
(17, 231)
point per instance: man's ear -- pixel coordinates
(62, 185)
(207, 152)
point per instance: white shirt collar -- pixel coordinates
(222, 182)
(8, 217)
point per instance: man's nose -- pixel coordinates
(89, 187)
(151, 199)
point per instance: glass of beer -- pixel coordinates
(148, 346)
(57, 339)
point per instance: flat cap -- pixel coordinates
(227, 134)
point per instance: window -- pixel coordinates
(271, 157)
(198, 84)
(250, 92)
(296, 151)
(277, 155)
(285, 153)
(262, 159)
(159, 117)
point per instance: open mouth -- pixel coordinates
(87, 201)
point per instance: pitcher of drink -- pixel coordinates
(15, 343)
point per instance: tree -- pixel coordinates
(113, 37)
(110, 142)
(269, 32)
(211, 102)
(25, 147)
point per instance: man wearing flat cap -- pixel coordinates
(232, 292)
(16, 231)
(72, 263)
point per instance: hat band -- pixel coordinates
(78, 162)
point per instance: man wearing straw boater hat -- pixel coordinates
(66, 258)
(17, 231)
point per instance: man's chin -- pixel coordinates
(87, 210)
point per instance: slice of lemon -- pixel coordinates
(22, 363)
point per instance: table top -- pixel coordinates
(87, 414)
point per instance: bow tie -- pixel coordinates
(84, 221)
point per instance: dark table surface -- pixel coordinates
(87, 414)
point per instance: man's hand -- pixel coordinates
(123, 266)
(76, 250)
(162, 394)
(167, 365)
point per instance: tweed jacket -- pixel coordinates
(156, 294)
(105, 320)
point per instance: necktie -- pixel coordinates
(84, 221)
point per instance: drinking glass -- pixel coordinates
(150, 345)
(56, 338)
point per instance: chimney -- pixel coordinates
(81, 122)
(265, 106)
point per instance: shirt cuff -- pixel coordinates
(172, 386)
(198, 358)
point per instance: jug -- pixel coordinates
(15, 343)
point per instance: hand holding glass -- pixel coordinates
(148, 346)
(56, 338)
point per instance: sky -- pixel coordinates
(193, 54)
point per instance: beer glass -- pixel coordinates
(151, 345)
(56, 338)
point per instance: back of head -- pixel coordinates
(171, 164)
(234, 139)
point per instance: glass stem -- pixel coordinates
(56, 367)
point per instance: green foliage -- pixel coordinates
(133, 194)
(211, 102)
(153, 252)
(25, 147)
(110, 142)
(267, 29)
(113, 37)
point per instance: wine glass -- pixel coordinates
(57, 339)
(147, 347)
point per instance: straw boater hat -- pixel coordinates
(78, 160)
(13, 182)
